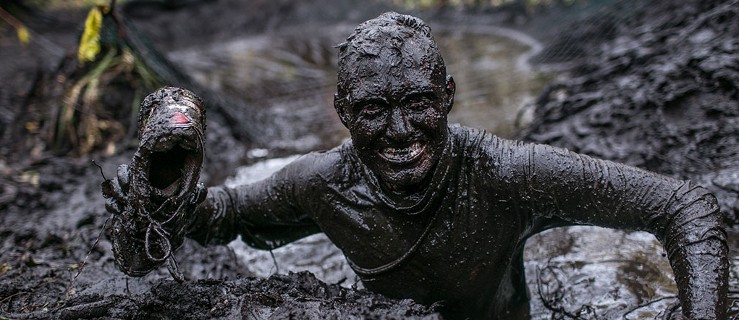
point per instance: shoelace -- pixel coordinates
(156, 237)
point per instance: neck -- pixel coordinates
(412, 190)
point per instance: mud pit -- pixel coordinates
(52, 210)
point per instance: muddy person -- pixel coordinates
(421, 209)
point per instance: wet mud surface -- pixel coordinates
(640, 101)
(660, 95)
(297, 295)
(634, 100)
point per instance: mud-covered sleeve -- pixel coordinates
(267, 214)
(684, 217)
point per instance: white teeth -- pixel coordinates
(403, 154)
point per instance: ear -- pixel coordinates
(451, 87)
(340, 106)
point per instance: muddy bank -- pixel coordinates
(295, 296)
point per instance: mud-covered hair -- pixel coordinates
(168, 95)
(389, 30)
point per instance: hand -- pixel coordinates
(153, 200)
(115, 191)
(142, 242)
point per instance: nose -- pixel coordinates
(399, 129)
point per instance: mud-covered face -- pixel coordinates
(396, 109)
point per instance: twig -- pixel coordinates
(277, 267)
(727, 7)
(97, 240)
(45, 43)
(647, 304)
(549, 305)
(668, 314)
(14, 295)
(84, 262)
(101, 169)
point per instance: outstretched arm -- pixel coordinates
(684, 217)
(157, 200)
(266, 214)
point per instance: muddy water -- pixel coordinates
(585, 271)
(495, 83)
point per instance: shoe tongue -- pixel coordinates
(181, 184)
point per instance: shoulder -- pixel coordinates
(484, 151)
(321, 165)
(481, 143)
(476, 143)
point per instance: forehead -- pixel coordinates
(381, 80)
(408, 67)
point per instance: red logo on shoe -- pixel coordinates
(180, 118)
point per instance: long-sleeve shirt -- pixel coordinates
(460, 242)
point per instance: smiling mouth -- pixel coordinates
(404, 154)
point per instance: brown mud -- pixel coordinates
(633, 97)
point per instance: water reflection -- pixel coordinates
(494, 80)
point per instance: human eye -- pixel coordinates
(420, 101)
(370, 107)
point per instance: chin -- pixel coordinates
(406, 180)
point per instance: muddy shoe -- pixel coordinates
(163, 188)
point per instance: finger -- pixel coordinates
(108, 188)
(123, 173)
(115, 191)
(113, 206)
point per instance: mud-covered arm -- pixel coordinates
(267, 214)
(685, 217)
